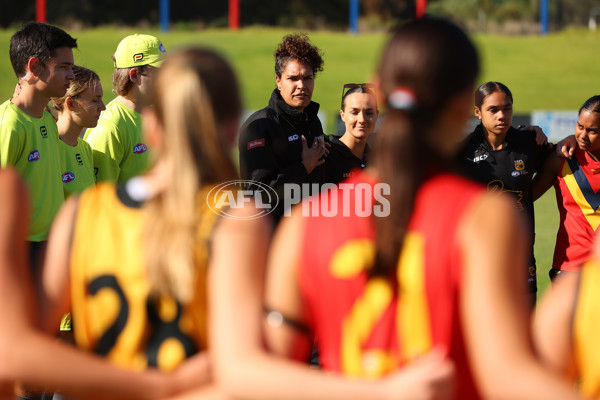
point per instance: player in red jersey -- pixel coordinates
(424, 258)
(577, 185)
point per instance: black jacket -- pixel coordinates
(510, 169)
(270, 145)
(341, 161)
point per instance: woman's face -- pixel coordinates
(359, 114)
(495, 113)
(296, 84)
(587, 132)
(88, 106)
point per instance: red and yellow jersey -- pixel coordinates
(578, 198)
(112, 313)
(368, 327)
(586, 325)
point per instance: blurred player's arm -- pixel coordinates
(494, 310)
(553, 326)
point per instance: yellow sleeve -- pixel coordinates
(107, 151)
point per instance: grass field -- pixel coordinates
(546, 226)
(557, 71)
(550, 72)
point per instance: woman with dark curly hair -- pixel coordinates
(283, 142)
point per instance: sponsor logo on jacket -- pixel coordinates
(140, 148)
(68, 177)
(34, 156)
(293, 137)
(256, 143)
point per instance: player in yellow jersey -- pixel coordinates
(566, 326)
(131, 260)
(78, 109)
(30, 357)
(119, 150)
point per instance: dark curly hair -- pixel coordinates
(297, 47)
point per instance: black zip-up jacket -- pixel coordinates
(270, 145)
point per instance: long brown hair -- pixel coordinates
(427, 63)
(195, 93)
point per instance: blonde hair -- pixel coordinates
(84, 78)
(195, 93)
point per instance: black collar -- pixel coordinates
(295, 116)
(345, 150)
(484, 142)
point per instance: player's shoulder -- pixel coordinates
(258, 121)
(11, 116)
(521, 138)
(84, 146)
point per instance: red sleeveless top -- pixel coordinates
(578, 198)
(368, 327)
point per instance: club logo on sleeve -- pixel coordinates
(138, 57)
(79, 159)
(68, 177)
(33, 156)
(140, 148)
(44, 132)
(256, 143)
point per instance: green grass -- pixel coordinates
(554, 72)
(347, 59)
(557, 71)
(546, 226)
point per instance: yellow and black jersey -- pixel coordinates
(112, 313)
(586, 328)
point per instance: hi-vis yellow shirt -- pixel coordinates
(117, 144)
(587, 330)
(112, 313)
(31, 146)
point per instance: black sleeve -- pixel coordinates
(540, 152)
(258, 160)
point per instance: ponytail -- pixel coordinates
(424, 66)
(403, 173)
(195, 94)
